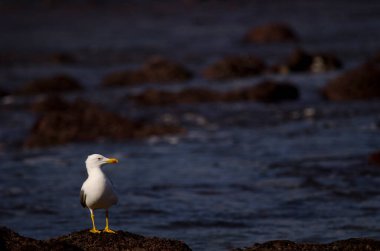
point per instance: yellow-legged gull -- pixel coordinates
(97, 191)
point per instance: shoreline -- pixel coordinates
(122, 240)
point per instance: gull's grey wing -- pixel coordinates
(83, 198)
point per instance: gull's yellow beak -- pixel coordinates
(112, 161)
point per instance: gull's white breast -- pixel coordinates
(99, 192)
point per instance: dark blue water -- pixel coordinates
(244, 173)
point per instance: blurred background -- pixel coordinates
(234, 122)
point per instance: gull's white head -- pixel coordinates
(97, 160)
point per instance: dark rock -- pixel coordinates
(54, 84)
(302, 61)
(270, 33)
(84, 240)
(187, 96)
(374, 158)
(159, 69)
(267, 91)
(155, 70)
(124, 78)
(50, 103)
(344, 245)
(361, 83)
(10, 240)
(83, 121)
(234, 67)
(299, 61)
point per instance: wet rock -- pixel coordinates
(84, 121)
(84, 240)
(155, 70)
(374, 158)
(298, 61)
(270, 33)
(267, 91)
(361, 244)
(234, 67)
(361, 83)
(54, 84)
(124, 78)
(11, 241)
(187, 96)
(302, 61)
(50, 103)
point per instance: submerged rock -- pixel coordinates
(155, 70)
(302, 61)
(234, 67)
(84, 121)
(55, 84)
(267, 91)
(361, 83)
(270, 33)
(359, 244)
(84, 240)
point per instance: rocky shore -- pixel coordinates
(84, 240)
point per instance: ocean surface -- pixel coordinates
(244, 173)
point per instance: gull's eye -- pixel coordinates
(99, 158)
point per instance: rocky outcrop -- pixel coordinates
(122, 240)
(234, 67)
(267, 91)
(55, 84)
(343, 245)
(155, 70)
(50, 103)
(84, 240)
(84, 121)
(302, 61)
(270, 33)
(361, 83)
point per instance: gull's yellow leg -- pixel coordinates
(93, 230)
(107, 229)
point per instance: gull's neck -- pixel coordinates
(94, 171)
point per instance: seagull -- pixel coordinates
(97, 191)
